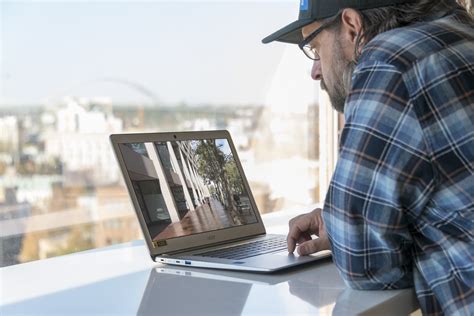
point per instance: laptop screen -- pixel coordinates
(187, 187)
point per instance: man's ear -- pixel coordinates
(351, 25)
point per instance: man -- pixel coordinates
(399, 211)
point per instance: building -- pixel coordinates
(81, 141)
(10, 136)
(11, 210)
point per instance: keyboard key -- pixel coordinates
(248, 250)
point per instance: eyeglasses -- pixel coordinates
(305, 46)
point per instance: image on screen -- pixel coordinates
(187, 187)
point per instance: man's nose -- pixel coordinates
(316, 70)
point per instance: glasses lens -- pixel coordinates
(310, 52)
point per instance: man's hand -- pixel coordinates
(301, 229)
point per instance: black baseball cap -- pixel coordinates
(314, 10)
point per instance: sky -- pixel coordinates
(169, 52)
(223, 146)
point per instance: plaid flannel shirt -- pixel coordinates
(400, 208)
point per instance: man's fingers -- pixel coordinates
(302, 227)
(303, 238)
(298, 229)
(312, 246)
(291, 239)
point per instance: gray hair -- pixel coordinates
(379, 20)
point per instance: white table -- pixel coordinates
(122, 280)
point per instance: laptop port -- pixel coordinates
(187, 262)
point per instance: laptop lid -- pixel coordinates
(188, 189)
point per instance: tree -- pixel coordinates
(235, 180)
(220, 170)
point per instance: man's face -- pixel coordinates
(335, 67)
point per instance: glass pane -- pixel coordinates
(73, 73)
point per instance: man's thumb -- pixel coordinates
(310, 246)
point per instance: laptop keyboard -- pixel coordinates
(248, 250)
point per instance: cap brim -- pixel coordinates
(290, 33)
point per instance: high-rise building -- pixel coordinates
(9, 137)
(81, 141)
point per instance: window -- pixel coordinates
(74, 72)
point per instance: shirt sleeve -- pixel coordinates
(383, 179)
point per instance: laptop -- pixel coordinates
(194, 203)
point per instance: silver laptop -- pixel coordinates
(194, 203)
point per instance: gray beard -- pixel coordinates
(343, 80)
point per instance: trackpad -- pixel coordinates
(285, 253)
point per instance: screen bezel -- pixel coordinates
(189, 242)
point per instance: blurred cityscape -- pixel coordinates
(61, 190)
